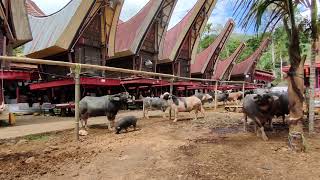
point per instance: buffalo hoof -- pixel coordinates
(265, 138)
(263, 135)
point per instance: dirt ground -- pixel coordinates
(210, 148)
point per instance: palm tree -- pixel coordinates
(253, 12)
(315, 37)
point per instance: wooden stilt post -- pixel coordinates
(77, 99)
(215, 95)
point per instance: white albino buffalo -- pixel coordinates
(183, 104)
(204, 97)
(155, 103)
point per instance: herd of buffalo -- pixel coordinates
(260, 105)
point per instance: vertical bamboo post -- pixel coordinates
(244, 122)
(171, 86)
(243, 89)
(77, 99)
(216, 95)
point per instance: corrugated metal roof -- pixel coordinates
(16, 25)
(204, 57)
(175, 36)
(131, 32)
(224, 65)
(243, 67)
(33, 9)
(53, 34)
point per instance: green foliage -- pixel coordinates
(18, 51)
(232, 44)
(38, 137)
(205, 42)
(280, 40)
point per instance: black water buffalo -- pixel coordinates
(261, 91)
(247, 92)
(125, 123)
(260, 109)
(154, 103)
(280, 107)
(108, 105)
(204, 97)
(221, 96)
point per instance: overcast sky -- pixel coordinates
(221, 13)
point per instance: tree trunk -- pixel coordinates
(295, 93)
(295, 83)
(312, 86)
(314, 53)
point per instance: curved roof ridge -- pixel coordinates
(134, 16)
(172, 36)
(180, 21)
(224, 64)
(203, 58)
(244, 66)
(33, 9)
(127, 32)
(53, 34)
(235, 52)
(56, 12)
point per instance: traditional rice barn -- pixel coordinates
(137, 44)
(306, 73)
(181, 42)
(263, 77)
(225, 66)
(33, 9)
(14, 32)
(138, 39)
(205, 64)
(80, 32)
(245, 70)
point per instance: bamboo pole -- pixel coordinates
(77, 100)
(244, 122)
(243, 89)
(103, 68)
(171, 86)
(215, 95)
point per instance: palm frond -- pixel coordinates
(260, 14)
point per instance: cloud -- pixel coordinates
(222, 12)
(51, 6)
(181, 9)
(220, 15)
(131, 7)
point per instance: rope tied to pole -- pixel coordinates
(77, 68)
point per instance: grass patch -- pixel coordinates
(38, 137)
